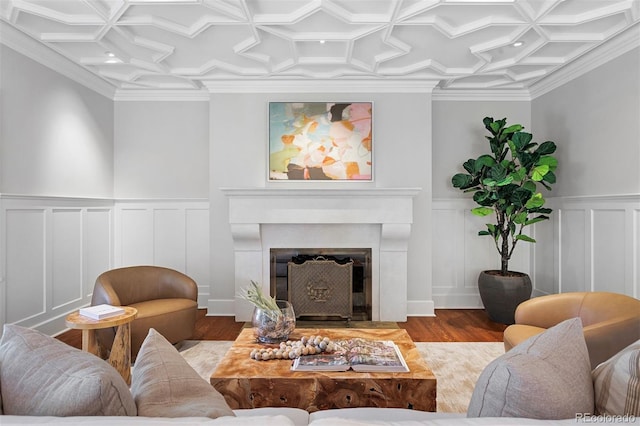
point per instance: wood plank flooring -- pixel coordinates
(449, 325)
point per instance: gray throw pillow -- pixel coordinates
(163, 384)
(41, 376)
(547, 376)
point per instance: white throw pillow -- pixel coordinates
(617, 383)
(547, 376)
(163, 384)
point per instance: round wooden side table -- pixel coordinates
(120, 356)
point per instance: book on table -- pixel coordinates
(361, 355)
(101, 311)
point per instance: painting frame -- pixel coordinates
(316, 141)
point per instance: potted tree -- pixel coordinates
(505, 184)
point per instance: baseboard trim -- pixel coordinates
(458, 301)
(220, 307)
(421, 308)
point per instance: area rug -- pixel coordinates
(455, 365)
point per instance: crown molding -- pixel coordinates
(162, 95)
(481, 95)
(608, 51)
(27, 46)
(320, 86)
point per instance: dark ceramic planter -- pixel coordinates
(501, 295)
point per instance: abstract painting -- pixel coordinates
(313, 141)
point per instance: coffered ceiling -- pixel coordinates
(190, 44)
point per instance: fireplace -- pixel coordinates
(375, 219)
(323, 284)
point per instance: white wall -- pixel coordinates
(459, 254)
(402, 158)
(162, 187)
(161, 149)
(459, 134)
(593, 243)
(595, 120)
(56, 184)
(61, 226)
(57, 135)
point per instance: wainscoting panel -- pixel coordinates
(25, 264)
(545, 256)
(52, 248)
(446, 247)
(169, 230)
(66, 256)
(609, 229)
(590, 244)
(575, 236)
(459, 254)
(134, 236)
(173, 234)
(599, 244)
(197, 259)
(98, 243)
(454, 283)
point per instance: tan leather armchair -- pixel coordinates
(610, 321)
(165, 299)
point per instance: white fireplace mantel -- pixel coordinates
(376, 218)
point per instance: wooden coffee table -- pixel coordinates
(247, 383)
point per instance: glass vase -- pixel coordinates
(272, 326)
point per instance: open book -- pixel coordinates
(357, 354)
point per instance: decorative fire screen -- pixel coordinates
(321, 287)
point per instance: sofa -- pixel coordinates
(610, 321)
(549, 381)
(166, 300)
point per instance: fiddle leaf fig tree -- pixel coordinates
(505, 184)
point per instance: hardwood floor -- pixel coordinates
(449, 325)
(454, 325)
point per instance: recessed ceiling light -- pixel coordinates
(113, 60)
(519, 43)
(321, 41)
(110, 54)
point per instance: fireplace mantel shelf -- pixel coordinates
(290, 206)
(378, 219)
(321, 192)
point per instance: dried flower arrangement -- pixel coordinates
(272, 320)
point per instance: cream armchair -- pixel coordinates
(165, 299)
(610, 321)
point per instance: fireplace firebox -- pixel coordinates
(323, 284)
